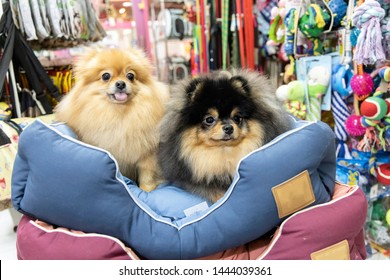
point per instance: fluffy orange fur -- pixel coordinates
(117, 104)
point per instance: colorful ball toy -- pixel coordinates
(354, 126)
(362, 84)
(385, 74)
(339, 9)
(374, 108)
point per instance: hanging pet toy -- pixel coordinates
(354, 126)
(384, 73)
(293, 95)
(367, 18)
(290, 24)
(385, 27)
(339, 9)
(277, 28)
(372, 109)
(313, 23)
(375, 112)
(362, 85)
(341, 80)
(341, 76)
(317, 84)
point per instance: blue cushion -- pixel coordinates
(66, 182)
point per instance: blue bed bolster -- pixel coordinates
(65, 182)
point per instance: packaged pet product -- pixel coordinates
(378, 226)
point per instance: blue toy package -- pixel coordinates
(347, 175)
(353, 172)
(382, 157)
(360, 154)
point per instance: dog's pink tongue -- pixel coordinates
(121, 96)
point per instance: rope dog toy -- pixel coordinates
(367, 18)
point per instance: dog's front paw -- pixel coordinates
(149, 184)
(148, 188)
(149, 175)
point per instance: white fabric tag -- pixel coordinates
(196, 208)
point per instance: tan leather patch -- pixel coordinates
(339, 251)
(293, 194)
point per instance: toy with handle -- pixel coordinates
(293, 96)
(318, 82)
(341, 76)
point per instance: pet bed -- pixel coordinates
(339, 222)
(67, 183)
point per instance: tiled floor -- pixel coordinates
(8, 237)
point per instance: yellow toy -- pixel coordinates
(5, 111)
(293, 95)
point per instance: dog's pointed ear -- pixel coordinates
(240, 83)
(193, 87)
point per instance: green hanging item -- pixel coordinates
(313, 23)
(277, 24)
(235, 54)
(225, 32)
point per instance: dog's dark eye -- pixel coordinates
(237, 119)
(209, 120)
(106, 76)
(130, 76)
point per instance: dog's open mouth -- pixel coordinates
(118, 97)
(228, 137)
(225, 139)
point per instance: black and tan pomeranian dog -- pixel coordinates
(211, 123)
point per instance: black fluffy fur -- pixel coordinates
(189, 103)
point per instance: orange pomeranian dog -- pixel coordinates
(116, 104)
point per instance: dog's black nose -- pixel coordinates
(228, 129)
(120, 85)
